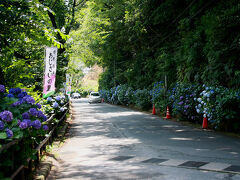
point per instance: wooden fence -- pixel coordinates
(24, 170)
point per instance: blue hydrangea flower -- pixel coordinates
(22, 94)
(36, 124)
(23, 125)
(28, 99)
(33, 111)
(38, 106)
(55, 105)
(25, 115)
(44, 118)
(28, 122)
(45, 127)
(40, 114)
(16, 104)
(180, 103)
(9, 133)
(61, 109)
(10, 95)
(49, 99)
(58, 98)
(6, 116)
(2, 88)
(1, 125)
(15, 90)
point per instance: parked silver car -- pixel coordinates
(76, 95)
(94, 97)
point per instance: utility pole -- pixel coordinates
(114, 73)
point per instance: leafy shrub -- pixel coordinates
(55, 105)
(114, 97)
(159, 98)
(142, 99)
(221, 106)
(20, 115)
(183, 104)
(121, 93)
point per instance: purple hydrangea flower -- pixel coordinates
(22, 94)
(16, 104)
(18, 122)
(62, 109)
(12, 90)
(28, 99)
(181, 97)
(49, 99)
(23, 125)
(15, 91)
(38, 106)
(6, 116)
(36, 124)
(180, 103)
(10, 95)
(186, 106)
(2, 88)
(33, 111)
(55, 105)
(40, 114)
(25, 115)
(58, 98)
(28, 122)
(44, 118)
(45, 127)
(9, 133)
(1, 125)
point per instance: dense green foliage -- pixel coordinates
(27, 26)
(185, 44)
(145, 40)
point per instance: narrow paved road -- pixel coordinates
(111, 142)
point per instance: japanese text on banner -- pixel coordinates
(50, 71)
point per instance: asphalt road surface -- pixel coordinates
(112, 142)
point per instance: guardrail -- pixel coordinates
(22, 172)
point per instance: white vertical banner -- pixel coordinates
(68, 84)
(50, 71)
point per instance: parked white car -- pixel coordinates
(76, 95)
(94, 97)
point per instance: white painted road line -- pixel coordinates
(215, 166)
(172, 162)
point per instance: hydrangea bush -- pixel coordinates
(125, 95)
(20, 115)
(142, 99)
(187, 101)
(55, 105)
(183, 104)
(158, 94)
(221, 106)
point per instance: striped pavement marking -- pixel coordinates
(215, 166)
(208, 166)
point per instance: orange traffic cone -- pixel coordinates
(168, 116)
(205, 123)
(153, 110)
